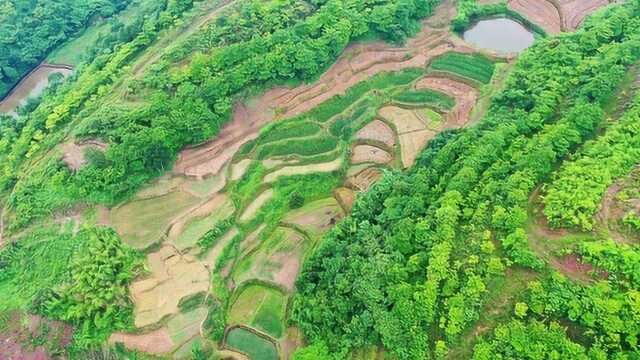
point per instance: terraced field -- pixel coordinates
(240, 213)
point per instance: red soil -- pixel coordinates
(575, 11)
(16, 339)
(541, 12)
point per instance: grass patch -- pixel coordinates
(474, 66)
(142, 222)
(251, 344)
(260, 307)
(435, 117)
(303, 147)
(427, 97)
(34, 263)
(288, 130)
(339, 103)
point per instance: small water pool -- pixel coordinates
(501, 35)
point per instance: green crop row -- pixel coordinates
(474, 66)
(304, 147)
(291, 129)
(428, 97)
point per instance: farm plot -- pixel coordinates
(369, 154)
(316, 217)
(474, 67)
(377, 131)
(260, 307)
(255, 346)
(186, 232)
(426, 97)
(255, 206)
(172, 277)
(413, 132)
(465, 96)
(277, 260)
(141, 223)
(363, 179)
(303, 170)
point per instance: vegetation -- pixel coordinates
(575, 194)
(446, 260)
(29, 30)
(429, 97)
(475, 67)
(249, 343)
(409, 268)
(470, 11)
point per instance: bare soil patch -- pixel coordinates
(404, 120)
(465, 95)
(251, 241)
(210, 157)
(369, 154)
(345, 197)
(316, 217)
(362, 180)
(73, 154)
(412, 144)
(238, 169)
(541, 12)
(188, 229)
(304, 169)
(377, 131)
(172, 277)
(575, 11)
(255, 206)
(278, 260)
(141, 223)
(31, 337)
(156, 342)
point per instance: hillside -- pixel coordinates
(329, 179)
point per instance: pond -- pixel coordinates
(31, 86)
(501, 35)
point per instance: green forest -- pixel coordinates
(320, 180)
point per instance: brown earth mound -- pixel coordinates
(369, 154)
(377, 131)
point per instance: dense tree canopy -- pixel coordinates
(29, 30)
